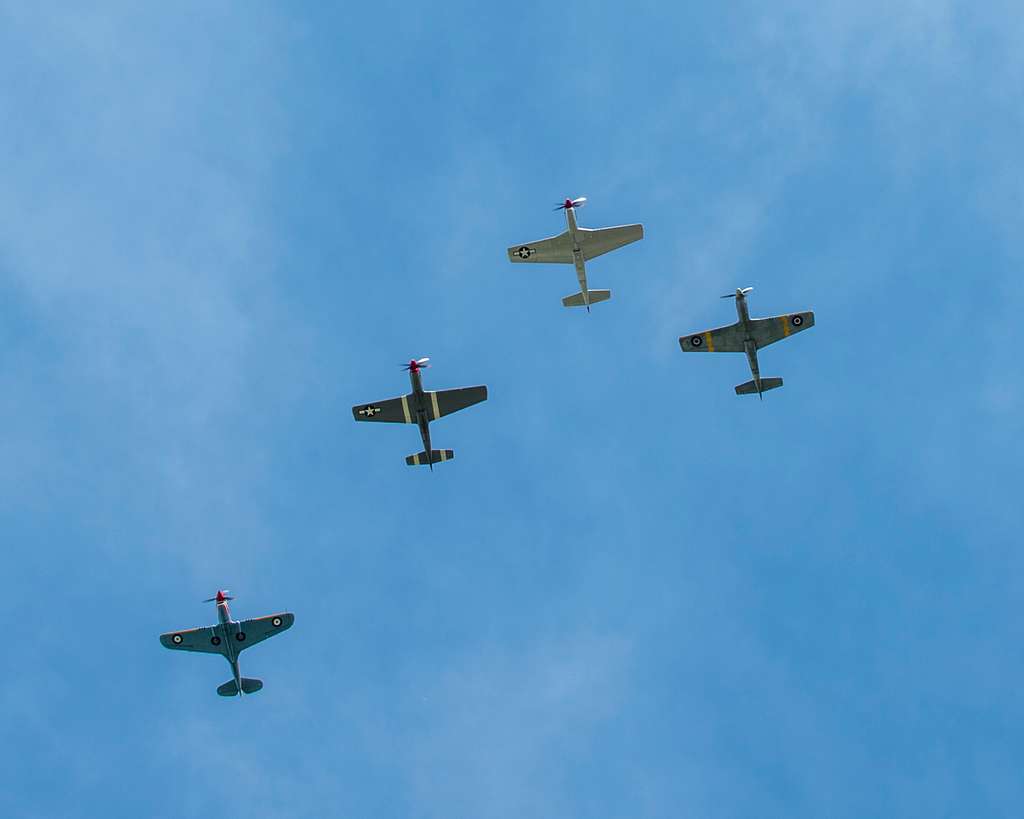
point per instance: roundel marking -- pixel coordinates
(215, 640)
(277, 622)
(797, 320)
(240, 636)
(176, 639)
(696, 341)
(525, 252)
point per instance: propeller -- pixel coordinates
(222, 595)
(739, 292)
(417, 364)
(569, 204)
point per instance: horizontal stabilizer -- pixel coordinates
(436, 456)
(251, 685)
(594, 296)
(750, 387)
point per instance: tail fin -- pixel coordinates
(249, 686)
(593, 296)
(750, 387)
(436, 457)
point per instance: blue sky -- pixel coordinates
(633, 594)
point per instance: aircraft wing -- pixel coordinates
(596, 242)
(557, 249)
(258, 629)
(445, 402)
(769, 330)
(193, 639)
(393, 410)
(720, 340)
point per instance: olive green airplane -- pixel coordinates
(229, 638)
(748, 336)
(420, 407)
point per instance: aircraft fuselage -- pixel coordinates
(749, 346)
(228, 631)
(420, 408)
(577, 254)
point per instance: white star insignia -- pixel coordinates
(369, 412)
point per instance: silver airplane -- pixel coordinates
(229, 638)
(748, 336)
(420, 407)
(577, 246)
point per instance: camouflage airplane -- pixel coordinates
(229, 638)
(576, 247)
(419, 407)
(748, 335)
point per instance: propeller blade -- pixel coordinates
(423, 360)
(578, 202)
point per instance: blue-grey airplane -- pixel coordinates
(229, 638)
(577, 246)
(748, 336)
(421, 407)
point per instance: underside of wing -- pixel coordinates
(391, 410)
(258, 629)
(445, 402)
(596, 242)
(194, 639)
(556, 250)
(720, 340)
(769, 330)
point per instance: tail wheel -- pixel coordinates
(240, 636)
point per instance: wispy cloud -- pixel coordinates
(501, 727)
(135, 234)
